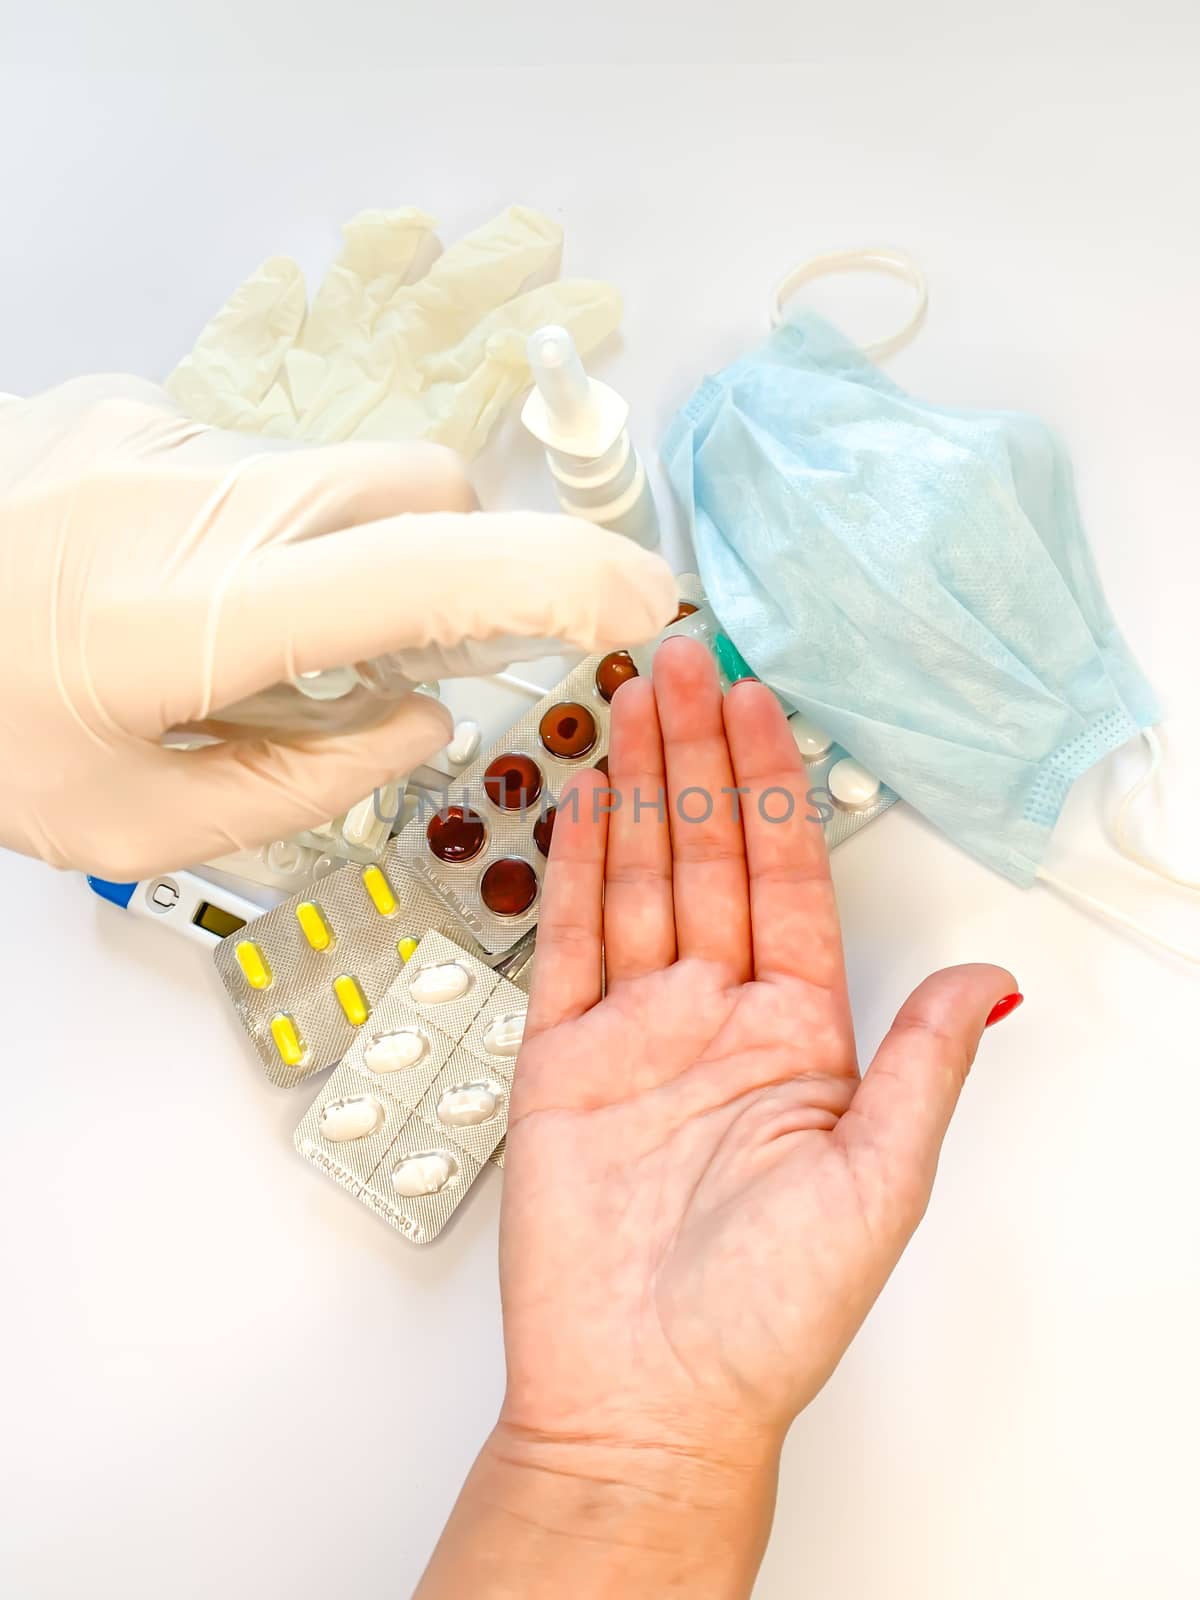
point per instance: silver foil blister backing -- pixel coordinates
(411, 1125)
(841, 825)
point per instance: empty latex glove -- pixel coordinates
(154, 570)
(401, 341)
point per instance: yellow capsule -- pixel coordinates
(350, 998)
(253, 963)
(406, 948)
(380, 891)
(313, 925)
(288, 1042)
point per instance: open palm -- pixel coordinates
(702, 1197)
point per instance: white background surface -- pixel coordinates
(224, 1377)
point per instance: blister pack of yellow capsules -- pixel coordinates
(421, 1100)
(306, 977)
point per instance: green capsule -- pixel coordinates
(730, 659)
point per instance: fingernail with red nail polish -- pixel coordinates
(1003, 1008)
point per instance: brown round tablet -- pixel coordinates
(616, 668)
(686, 609)
(568, 730)
(508, 887)
(456, 834)
(543, 830)
(601, 765)
(513, 782)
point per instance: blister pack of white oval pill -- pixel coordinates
(421, 1100)
(305, 978)
(842, 795)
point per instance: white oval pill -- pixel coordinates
(393, 1052)
(464, 746)
(371, 819)
(811, 741)
(466, 1105)
(424, 1173)
(437, 984)
(352, 1118)
(503, 1035)
(852, 787)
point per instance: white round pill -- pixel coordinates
(853, 788)
(327, 683)
(811, 741)
(424, 1173)
(440, 983)
(353, 1118)
(466, 1105)
(393, 1052)
(503, 1035)
(464, 746)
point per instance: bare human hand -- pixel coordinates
(702, 1197)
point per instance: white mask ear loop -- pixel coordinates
(874, 258)
(1121, 821)
(1113, 915)
(1121, 840)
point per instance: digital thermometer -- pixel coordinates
(184, 902)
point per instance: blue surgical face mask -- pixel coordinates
(914, 577)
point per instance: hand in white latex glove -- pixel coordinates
(400, 342)
(153, 571)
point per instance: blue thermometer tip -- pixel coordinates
(120, 894)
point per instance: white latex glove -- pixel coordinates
(392, 346)
(153, 571)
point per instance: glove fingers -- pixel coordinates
(284, 715)
(488, 370)
(211, 802)
(213, 604)
(461, 416)
(477, 274)
(338, 398)
(383, 252)
(309, 493)
(238, 357)
(433, 581)
(238, 796)
(391, 321)
(591, 310)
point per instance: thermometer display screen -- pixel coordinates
(215, 921)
